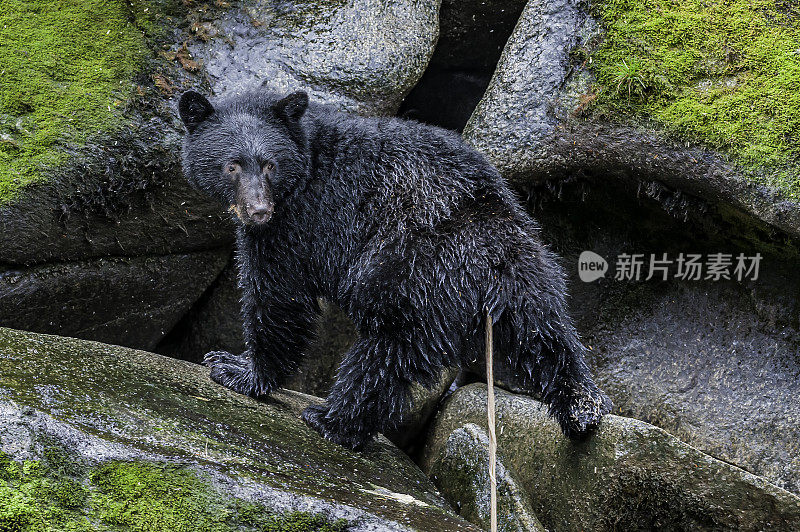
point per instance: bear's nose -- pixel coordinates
(260, 213)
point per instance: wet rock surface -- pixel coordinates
(726, 384)
(629, 475)
(514, 120)
(102, 403)
(363, 56)
(465, 454)
(712, 362)
(132, 301)
(62, 221)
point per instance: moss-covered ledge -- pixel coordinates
(58, 493)
(700, 97)
(68, 73)
(89, 135)
(135, 426)
(723, 74)
(89, 144)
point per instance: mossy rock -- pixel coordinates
(89, 136)
(724, 74)
(67, 70)
(699, 97)
(89, 165)
(628, 476)
(148, 442)
(46, 494)
(466, 454)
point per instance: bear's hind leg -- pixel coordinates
(369, 395)
(574, 399)
(548, 359)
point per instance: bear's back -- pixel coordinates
(401, 154)
(400, 173)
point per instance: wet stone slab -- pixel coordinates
(105, 403)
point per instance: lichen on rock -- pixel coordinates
(150, 430)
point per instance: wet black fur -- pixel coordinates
(412, 233)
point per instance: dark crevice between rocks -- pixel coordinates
(154, 290)
(472, 35)
(9, 268)
(414, 446)
(445, 98)
(174, 342)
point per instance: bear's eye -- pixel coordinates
(268, 167)
(231, 168)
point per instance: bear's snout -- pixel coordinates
(260, 212)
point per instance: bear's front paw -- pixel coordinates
(234, 372)
(318, 418)
(580, 414)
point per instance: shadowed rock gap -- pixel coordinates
(713, 362)
(472, 35)
(172, 344)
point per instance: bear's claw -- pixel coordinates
(234, 372)
(580, 415)
(317, 417)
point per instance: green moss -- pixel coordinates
(8, 467)
(60, 493)
(66, 68)
(256, 517)
(722, 72)
(17, 508)
(146, 497)
(70, 494)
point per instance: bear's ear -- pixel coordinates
(293, 106)
(194, 108)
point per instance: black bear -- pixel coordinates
(410, 231)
